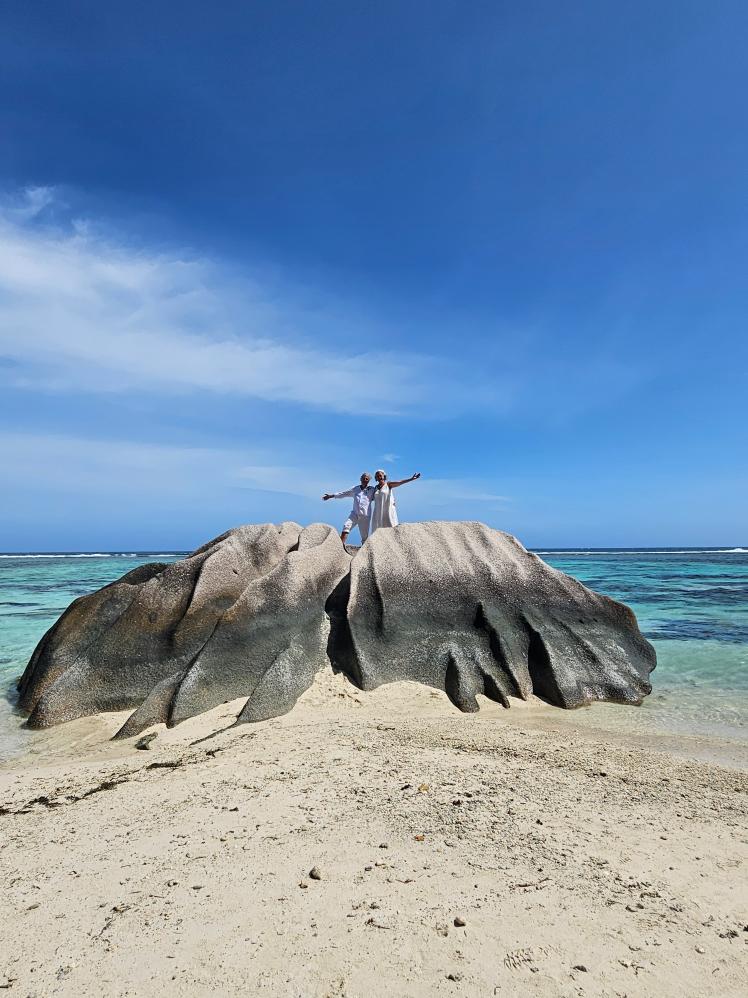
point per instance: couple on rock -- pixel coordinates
(373, 505)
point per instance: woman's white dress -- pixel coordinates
(383, 509)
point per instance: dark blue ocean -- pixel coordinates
(691, 603)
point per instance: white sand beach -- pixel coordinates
(520, 852)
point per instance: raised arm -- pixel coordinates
(339, 495)
(404, 481)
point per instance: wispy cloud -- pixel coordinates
(309, 482)
(443, 492)
(25, 205)
(86, 312)
(60, 463)
(81, 312)
(64, 463)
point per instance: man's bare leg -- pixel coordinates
(344, 535)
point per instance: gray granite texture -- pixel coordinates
(457, 606)
(467, 609)
(242, 616)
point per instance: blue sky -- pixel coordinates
(248, 250)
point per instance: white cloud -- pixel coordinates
(58, 463)
(27, 205)
(84, 313)
(288, 479)
(308, 482)
(438, 492)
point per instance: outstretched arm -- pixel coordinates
(339, 495)
(404, 481)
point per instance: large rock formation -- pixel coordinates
(468, 610)
(457, 606)
(242, 616)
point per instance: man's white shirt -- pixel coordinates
(361, 500)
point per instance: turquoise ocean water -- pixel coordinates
(691, 603)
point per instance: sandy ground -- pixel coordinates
(503, 853)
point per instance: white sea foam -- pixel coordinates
(563, 552)
(92, 555)
(97, 554)
(559, 552)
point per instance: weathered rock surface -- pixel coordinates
(457, 606)
(468, 610)
(243, 615)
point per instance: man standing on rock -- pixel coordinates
(359, 515)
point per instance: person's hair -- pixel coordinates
(364, 473)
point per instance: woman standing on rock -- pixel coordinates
(384, 511)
